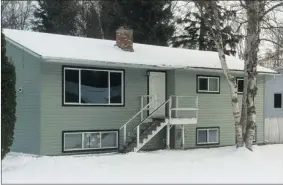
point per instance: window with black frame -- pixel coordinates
(93, 86)
(278, 100)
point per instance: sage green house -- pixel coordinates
(82, 95)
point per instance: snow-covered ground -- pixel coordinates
(218, 165)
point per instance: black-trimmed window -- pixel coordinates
(207, 136)
(240, 85)
(277, 100)
(90, 140)
(208, 84)
(93, 86)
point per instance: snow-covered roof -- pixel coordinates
(62, 48)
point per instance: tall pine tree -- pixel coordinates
(197, 34)
(88, 21)
(8, 100)
(150, 20)
(56, 16)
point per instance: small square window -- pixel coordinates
(207, 136)
(73, 141)
(240, 85)
(202, 136)
(213, 84)
(213, 136)
(203, 84)
(277, 100)
(208, 84)
(91, 140)
(109, 140)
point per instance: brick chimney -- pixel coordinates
(124, 38)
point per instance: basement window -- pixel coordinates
(91, 140)
(278, 100)
(98, 87)
(206, 136)
(240, 85)
(208, 84)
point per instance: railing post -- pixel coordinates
(183, 136)
(177, 106)
(138, 136)
(168, 136)
(168, 124)
(170, 107)
(125, 133)
(141, 107)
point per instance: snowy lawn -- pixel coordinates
(218, 165)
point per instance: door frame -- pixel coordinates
(161, 144)
(166, 81)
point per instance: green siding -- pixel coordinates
(27, 128)
(215, 110)
(41, 118)
(57, 118)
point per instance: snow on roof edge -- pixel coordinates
(24, 45)
(110, 63)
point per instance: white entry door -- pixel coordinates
(157, 86)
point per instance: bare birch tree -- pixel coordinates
(256, 11)
(253, 9)
(217, 37)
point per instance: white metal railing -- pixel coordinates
(152, 99)
(149, 98)
(149, 116)
(177, 106)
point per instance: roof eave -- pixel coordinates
(114, 64)
(103, 63)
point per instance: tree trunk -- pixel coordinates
(244, 105)
(253, 9)
(201, 34)
(230, 78)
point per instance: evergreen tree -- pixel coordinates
(150, 20)
(88, 19)
(198, 36)
(8, 100)
(56, 16)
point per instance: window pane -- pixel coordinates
(109, 140)
(94, 87)
(91, 140)
(213, 84)
(203, 84)
(71, 86)
(277, 100)
(115, 87)
(202, 136)
(213, 136)
(240, 85)
(73, 141)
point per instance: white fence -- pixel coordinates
(273, 130)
